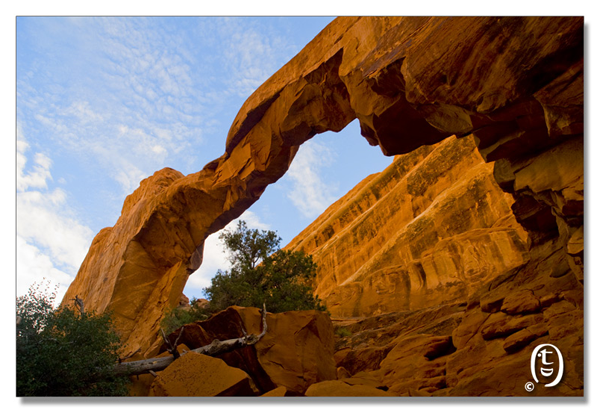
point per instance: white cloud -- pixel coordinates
(129, 177)
(51, 243)
(215, 258)
(115, 99)
(309, 193)
(129, 104)
(141, 94)
(251, 54)
(37, 177)
(33, 266)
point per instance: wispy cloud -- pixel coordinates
(309, 192)
(139, 95)
(129, 105)
(112, 100)
(51, 243)
(252, 55)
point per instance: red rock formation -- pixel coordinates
(296, 352)
(482, 347)
(514, 83)
(430, 229)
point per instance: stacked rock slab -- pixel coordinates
(430, 229)
(514, 83)
(481, 347)
(296, 351)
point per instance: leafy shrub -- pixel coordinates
(261, 272)
(61, 352)
(178, 317)
(342, 332)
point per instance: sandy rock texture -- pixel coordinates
(297, 350)
(430, 229)
(196, 375)
(514, 84)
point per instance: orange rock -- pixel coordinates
(278, 392)
(296, 352)
(371, 379)
(197, 375)
(337, 388)
(488, 353)
(140, 385)
(416, 362)
(500, 325)
(342, 373)
(521, 302)
(520, 339)
(411, 81)
(431, 228)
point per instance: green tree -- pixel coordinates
(178, 317)
(61, 352)
(262, 272)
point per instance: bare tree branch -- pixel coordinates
(121, 360)
(79, 304)
(172, 348)
(213, 349)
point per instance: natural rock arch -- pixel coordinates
(516, 84)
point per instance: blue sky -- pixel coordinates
(102, 103)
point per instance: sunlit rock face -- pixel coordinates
(430, 229)
(515, 84)
(297, 350)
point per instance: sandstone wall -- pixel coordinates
(430, 229)
(515, 83)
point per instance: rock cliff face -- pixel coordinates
(430, 229)
(480, 347)
(514, 84)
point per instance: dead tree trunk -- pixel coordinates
(79, 304)
(213, 349)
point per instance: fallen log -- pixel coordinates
(215, 348)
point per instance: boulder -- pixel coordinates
(416, 362)
(521, 338)
(521, 302)
(197, 375)
(296, 352)
(280, 391)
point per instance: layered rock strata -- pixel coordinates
(480, 347)
(514, 83)
(430, 229)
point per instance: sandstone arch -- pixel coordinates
(516, 84)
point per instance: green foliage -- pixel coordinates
(178, 317)
(61, 352)
(342, 332)
(261, 272)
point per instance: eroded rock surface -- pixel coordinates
(515, 84)
(297, 350)
(430, 229)
(471, 350)
(197, 375)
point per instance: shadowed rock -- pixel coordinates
(514, 83)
